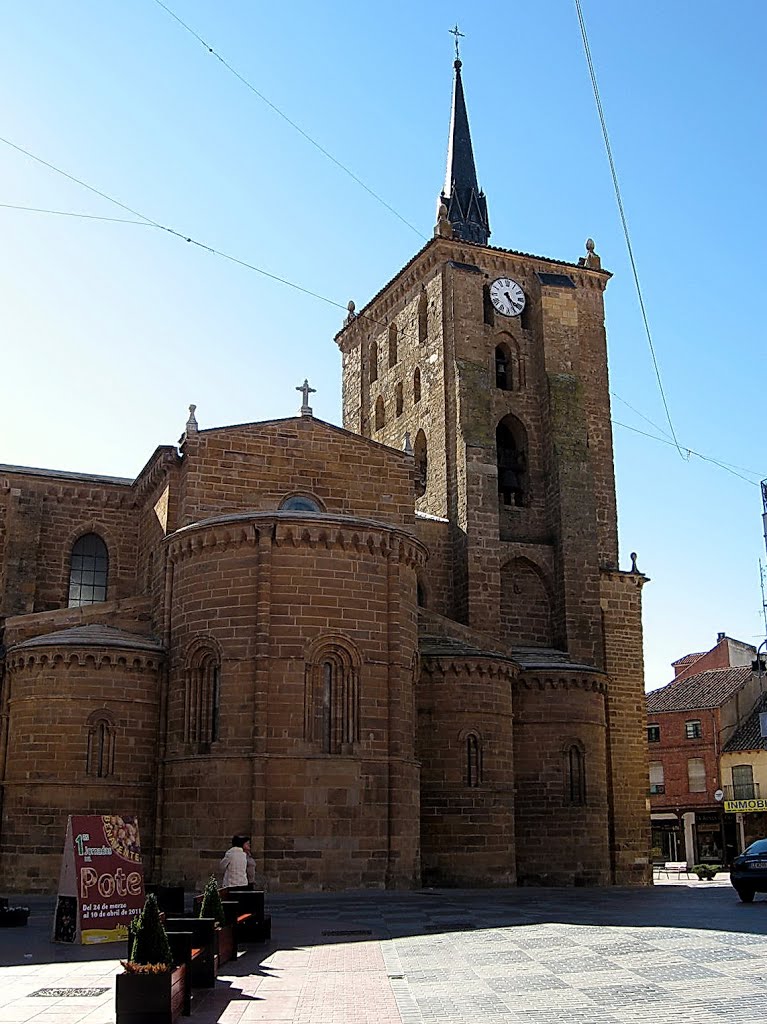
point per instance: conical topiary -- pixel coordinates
(211, 905)
(148, 943)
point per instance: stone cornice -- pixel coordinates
(563, 679)
(298, 529)
(54, 657)
(469, 665)
(627, 577)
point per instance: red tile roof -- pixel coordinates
(708, 689)
(688, 659)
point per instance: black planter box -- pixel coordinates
(150, 998)
(13, 917)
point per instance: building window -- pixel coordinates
(380, 414)
(502, 368)
(399, 399)
(88, 571)
(575, 770)
(696, 775)
(657, 783)
(373, 360)
(511, 445)
(421, 457)
(743, 782)
(692, 730)
(488, 313)
(653, 734)
(300, 503)
(331, 698)
(392, 345)
(100, 758)
(416, 386)
(422, 318)
(202, 698)
(473, 760)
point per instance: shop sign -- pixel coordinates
(102, 879)
(744, 806)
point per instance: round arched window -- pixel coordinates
(300, 503)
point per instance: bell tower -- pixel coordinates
(491, 364)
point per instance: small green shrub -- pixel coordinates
(211, 905)
(705, 872)
(147, 941)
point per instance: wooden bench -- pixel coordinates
(253, 924)
(200, 949)
(244, 910)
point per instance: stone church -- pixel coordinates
(398, 653)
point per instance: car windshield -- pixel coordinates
(760, 846)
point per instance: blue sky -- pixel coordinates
(109, 330)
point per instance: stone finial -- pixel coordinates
(443, 229)
(191, 427)
(407, 447)
(306, 409)
(591, 259)
(633, 553)
(351, 315)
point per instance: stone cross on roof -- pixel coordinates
(306, 409)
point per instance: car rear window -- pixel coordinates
(760, 846)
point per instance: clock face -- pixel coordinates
(507, 296)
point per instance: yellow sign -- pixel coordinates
(743, 806)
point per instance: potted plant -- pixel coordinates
(151, 990)
(211, 905)
(705, 872)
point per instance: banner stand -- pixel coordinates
(101, 885)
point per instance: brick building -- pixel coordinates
(690, 723)
(396, 652)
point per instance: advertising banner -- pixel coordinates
(102, 879)
(744, 806)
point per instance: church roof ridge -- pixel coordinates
(91, 635)
(64, 474)
(304, 419)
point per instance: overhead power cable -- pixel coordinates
(83, 216)
(264, 99)
(624, 222)
(145, 221)
(172, 231)
(688, 452)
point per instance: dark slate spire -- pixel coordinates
(466, 204)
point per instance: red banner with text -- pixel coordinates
(102, 879)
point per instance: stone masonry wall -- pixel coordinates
(51, 693)
(626, 722)
(265, 590)
(560, 842)
(467, 821)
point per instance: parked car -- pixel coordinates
(749, 871)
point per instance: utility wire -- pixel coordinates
(689, 452)
(84, 216)
(285, 117)
(624, 222)
(641, 415)
(178, 234)
(145, 221)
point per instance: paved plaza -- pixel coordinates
(682, 951)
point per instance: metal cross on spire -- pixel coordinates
(454, 31)
(306, 409)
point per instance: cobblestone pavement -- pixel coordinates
(519, 956)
